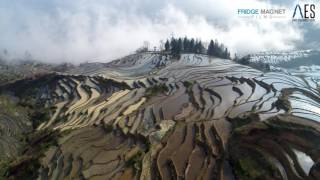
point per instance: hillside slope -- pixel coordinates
(151, 116)
(287, 59)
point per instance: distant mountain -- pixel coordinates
(18, 70)
(12, 71)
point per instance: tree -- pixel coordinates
(198, 48)
(180, 45)
(175, 51)
(191, 47)
(176, 46)
(210, 50)
(226, 54)
(245, 60)
(167, 46)
(186, 45)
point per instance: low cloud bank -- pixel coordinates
(82, 30)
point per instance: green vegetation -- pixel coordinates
(109, 82)
(33, 144)
(188, 84)
(248, 161)
(4, 168)
(24, 167)
(257, 65)
(240, 122)
(87, 89)
(16, 122)
(250, 145)
(27, 164)
(244, 60)
(253, 166)
(40, 140)
(6, 77)
(283, 102)
(26, 97)
(107, 128)
(40, 116)
(276, 123)
(29, 88)
(246, 168)
(10, 107)
(176, 46)
(277, 126)
(218, 50)
(156, 89)
(135, 161)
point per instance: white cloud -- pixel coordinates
(83, 30)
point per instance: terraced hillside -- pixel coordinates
(151, 116)
(287, 59)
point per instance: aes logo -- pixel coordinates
(307, 12)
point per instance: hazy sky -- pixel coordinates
(101, 30)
